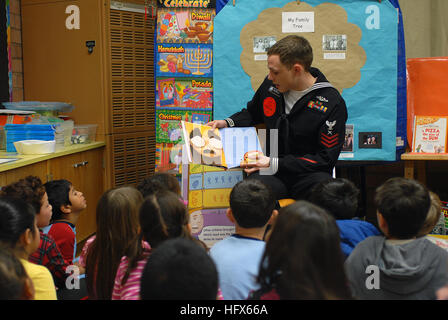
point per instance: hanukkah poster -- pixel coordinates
(184, 60)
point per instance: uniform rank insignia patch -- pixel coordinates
(329, 141)
(317, 105)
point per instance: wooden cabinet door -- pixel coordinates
(92, 176)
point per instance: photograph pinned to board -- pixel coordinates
(370, 140)
(348, 140)
(334, 46)
(262, 44)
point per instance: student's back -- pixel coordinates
(407, 269)
(340, 198)
(401, 266)
(238, 257)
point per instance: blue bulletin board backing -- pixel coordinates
(376, 103)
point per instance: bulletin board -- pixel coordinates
(356, 44)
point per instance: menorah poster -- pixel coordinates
(355, 44)
(184, 60)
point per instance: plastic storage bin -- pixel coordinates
(19, 132)
(85, 133)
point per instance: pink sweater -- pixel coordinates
(131, 289)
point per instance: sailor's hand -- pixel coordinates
(254, 163)
(217, 124)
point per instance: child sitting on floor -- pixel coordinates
(340, 198)
(398, 265)
(303, 257)
(32, 191)
(238, 257)
(19, 233)
(67, 203)
(162, 216)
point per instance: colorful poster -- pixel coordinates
(185, 26)
(184, 60)
(187, 4)
(207, 190)
(211, 226)
(168, 157)
(168, 123)
(181, 93)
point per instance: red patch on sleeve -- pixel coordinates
(269, 106)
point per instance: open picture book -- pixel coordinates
(226, 147)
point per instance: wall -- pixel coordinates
(16, 50)
(426, 29)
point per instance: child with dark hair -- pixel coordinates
(340, 198)
(237, 258)
(303, 257)
(19, 233)
(67, 203)
(14, 281)
(159, 181)
(162, 216)
(117, 230)
(32, 191)
(179, 269)
(406, 267)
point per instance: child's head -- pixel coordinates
(303, 258)
(117, 227)
(32, 191)
(163, 216)
(18, 228)
(14, 281)
(433, 215)
(338, 196)
(251, 203)
(159, 181)
(64, 198)
(402, 205)
(179, 269)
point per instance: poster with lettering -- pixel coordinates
(187, 4)
(189, 93)
(185, 25)
(429, 134)
(184, 60)
(168, 123)
(208, 189)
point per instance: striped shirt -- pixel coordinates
(131, 289)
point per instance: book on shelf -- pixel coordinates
(226, 147)
(430, 133)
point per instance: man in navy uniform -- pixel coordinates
(309, 113)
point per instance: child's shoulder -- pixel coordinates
(61, 226)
